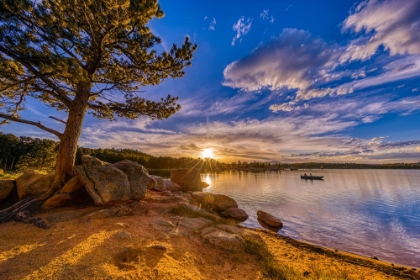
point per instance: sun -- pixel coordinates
(207, 153)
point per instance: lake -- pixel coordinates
(368, 212)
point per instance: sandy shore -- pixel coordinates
(153, 239)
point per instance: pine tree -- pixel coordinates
(83, 56)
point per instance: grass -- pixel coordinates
(275, 270)
(9, 175)
(196, 213)
(272, 268)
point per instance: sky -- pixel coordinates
(279, 81)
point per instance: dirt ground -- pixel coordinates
(151, 241)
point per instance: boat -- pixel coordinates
(311, 177)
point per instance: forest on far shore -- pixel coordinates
(22, 153)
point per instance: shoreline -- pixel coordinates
(155, 239)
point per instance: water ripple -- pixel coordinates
(369, 212)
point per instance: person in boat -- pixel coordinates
(310, 174)
(304, 174)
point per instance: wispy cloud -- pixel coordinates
(242, 27)
(264, 16)
(318, 134)
(212, 25)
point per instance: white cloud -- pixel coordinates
(295, 60)
(395, 24)
(358, 74)
(242, 28)
(287, 107)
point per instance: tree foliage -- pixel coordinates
(49, 49)
(83, 56)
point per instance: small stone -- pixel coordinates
(158, 247)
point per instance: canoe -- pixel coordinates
(311, 177)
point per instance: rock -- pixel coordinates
(218, 202)
(269, 219)
(56, 201)
(6, 187)
(32, 183)
(138, 177)
(223, 239)
(160, 186)
(171, 186)
(73, 185)
(264, 225)
(235, 213)
(118, 182)
(188, 179)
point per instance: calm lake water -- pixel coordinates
(368, 212)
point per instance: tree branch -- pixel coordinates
(37, 124)
(57, 119)
(57, 92)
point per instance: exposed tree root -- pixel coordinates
(18, 210)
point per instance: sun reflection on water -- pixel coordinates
(207, 179)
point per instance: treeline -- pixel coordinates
(151, 162)
(22, 153)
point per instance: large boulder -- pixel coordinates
(188, 179)
(218, 202)
(236, 214)
(32, 183)
(6, 187)
(269, 220)
(108, 183)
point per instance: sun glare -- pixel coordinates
(207, 153)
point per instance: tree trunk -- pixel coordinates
(68, 143)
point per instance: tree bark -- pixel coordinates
(68, 142)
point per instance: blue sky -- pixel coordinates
(288, 81)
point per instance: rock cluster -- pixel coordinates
(222, 204)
